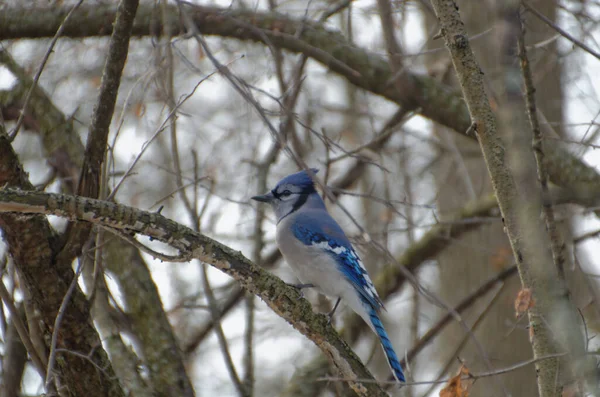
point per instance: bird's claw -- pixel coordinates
(330, 314)
(300, 288)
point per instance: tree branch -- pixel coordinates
(123, 358)
(38, 74)
(89, 179)
(18, 330)
(562, 32)
(282, 299)
(64, 152)
(553, 319)
(15, 355)
(364, 69)
(32, 243)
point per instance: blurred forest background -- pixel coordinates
(219, 100)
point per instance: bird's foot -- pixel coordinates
(330, 314)
(300, 288)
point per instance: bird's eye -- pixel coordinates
(285, 193)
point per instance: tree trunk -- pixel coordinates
(461, 176)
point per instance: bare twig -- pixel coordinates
(249, 377)
(461, 307)
(59, 316)
(399, 118)
(183, 257)
(562, 32)
(557, 245)
(86, 357)
(160, 129)
(465, 338)
(386, 14)
(586, 236)
(36, 78)
(480, 375)
(40, 365)
(214, 310)
(171, 103)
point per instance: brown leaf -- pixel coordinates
(458, 386)
(570, 390)
(386, 215)
(139, 109)
(523, 302)
(501, 258)
(96, 81)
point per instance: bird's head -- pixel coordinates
(290, 193)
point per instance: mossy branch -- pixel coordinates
(282, 299)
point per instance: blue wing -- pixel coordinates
(318, 228)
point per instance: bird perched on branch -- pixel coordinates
(321, 255)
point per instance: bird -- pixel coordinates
(321, 256)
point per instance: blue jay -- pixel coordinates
(321, 255)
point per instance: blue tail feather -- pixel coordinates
(387, 346)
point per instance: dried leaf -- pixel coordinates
(570, 390)
(523, 302)
(501, 258)
(139, 109)
(458, 386)
(386, 215)
(96, 81)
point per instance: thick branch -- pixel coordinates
(553, 318)
(32, 242)
(124, 360)
(89, 180)
(62, 146)
(149, 322)
(281, 298)
(64, 151)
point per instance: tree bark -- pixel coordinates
(362, 68)
(553, 318)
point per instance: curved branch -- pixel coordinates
(281, 298)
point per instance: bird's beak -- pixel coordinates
(265, 198)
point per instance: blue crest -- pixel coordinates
(300, 179)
